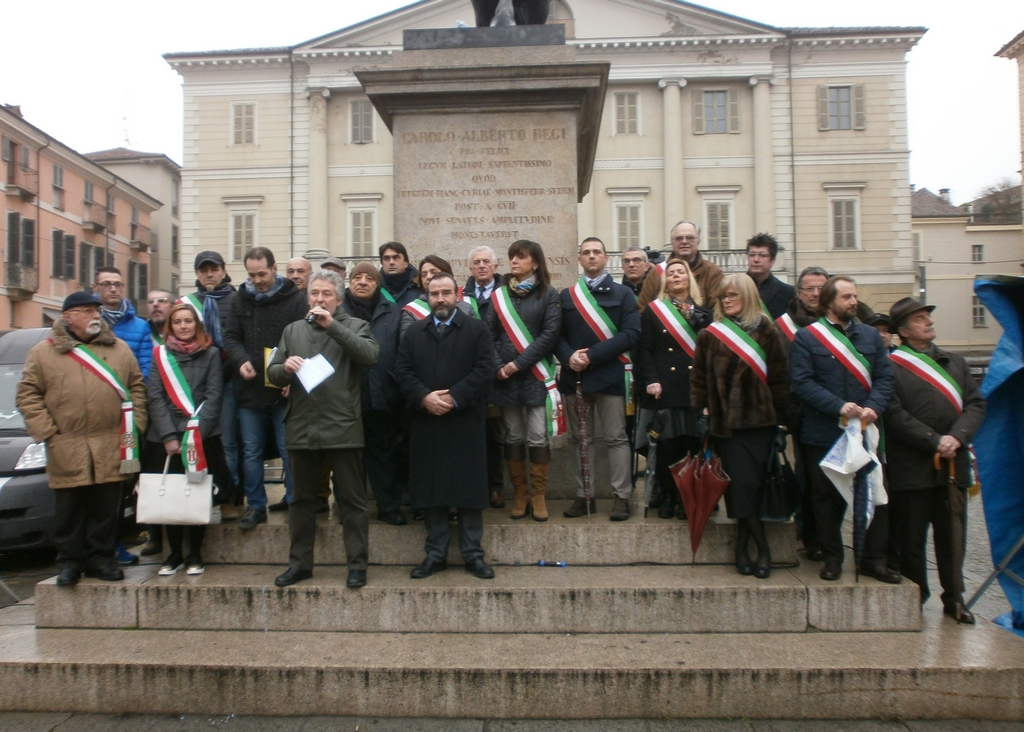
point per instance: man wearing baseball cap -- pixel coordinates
(933, 414)
(83, 394)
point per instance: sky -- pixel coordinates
(93, 77)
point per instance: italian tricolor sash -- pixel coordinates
(129, 434)
(472, 302)
(158, 340)
(930, 371)
(740, 343)
(788, 325)
(418, 308)
(840, 347)
(599, 322)
(193, 300)
(675, 324)
(387, 295)
(662, 266)
(180, 392)
(544, 369)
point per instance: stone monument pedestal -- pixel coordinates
(491, 144)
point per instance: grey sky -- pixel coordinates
(91, 74)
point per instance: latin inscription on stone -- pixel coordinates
(466, 180)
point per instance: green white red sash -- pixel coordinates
(193, 300)
(603, 327)
(841, 347)
(192, 454)
(472, 302)
(740, 343)
(788, 325)
(544, 370)
(675, 324)
(926, 367)
(158, 340)
(129, 434)
(418, 308)
(387, 295)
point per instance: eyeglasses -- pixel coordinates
(728, 296)
(634, 260)
(689, 237)
(815, 288)
(158, 301)
(110, 285)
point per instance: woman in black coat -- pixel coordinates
(746, 400)
(200, 364)
(522, 396)
(668, 333)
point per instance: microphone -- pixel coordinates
(311, 318)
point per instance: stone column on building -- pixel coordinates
(318, 169)
(764, 160)
(672, 126)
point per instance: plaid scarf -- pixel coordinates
(113, 317)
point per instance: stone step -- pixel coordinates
(946, 671)
(590, 540)
(519, 600)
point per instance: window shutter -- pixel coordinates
(5, 148)
(698, 112)
(28, 242)
(367, 122)
(859, 114)
(713, 224)
(723, 225)
(57, 253)
(13, 237)
(734, 111)
(84, 255)
(69, 256)
(822, 107)
(239, 124)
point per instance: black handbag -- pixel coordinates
(780, 493)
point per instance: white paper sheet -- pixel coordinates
(314, 371)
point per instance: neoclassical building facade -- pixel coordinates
(734, 124)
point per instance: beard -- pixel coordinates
(94, 327)
(442, 311)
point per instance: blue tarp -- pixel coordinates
(999, 444)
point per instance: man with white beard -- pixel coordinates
(83, 394)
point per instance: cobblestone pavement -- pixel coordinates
(23, 722)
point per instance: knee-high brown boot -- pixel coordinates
(515, 457)
(540, 461)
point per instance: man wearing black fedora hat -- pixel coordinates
(933, 414)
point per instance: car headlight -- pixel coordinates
(33, 458)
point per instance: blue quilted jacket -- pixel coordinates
(134, 331)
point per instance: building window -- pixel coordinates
(175, 284)
(58, 187)
(978, 312)
(89, 192)
(63, 255)
(243, 127)
(844, 223)
(175, 253)
(243, 233)
(138, 281)
(361, 129)
(7, 149)
(627, 113)
(21, 240)
(26, 156)
(174, 198)
(716, 112)
(718, 225)
(841, 107)
(977, 252)
(85, 264)
(361, 232)
(627, 226)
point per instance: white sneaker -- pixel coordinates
(170, 567)
(194, 569)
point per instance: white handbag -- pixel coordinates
(171, 499)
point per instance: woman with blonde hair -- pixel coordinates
(741, 379)
(668, 336)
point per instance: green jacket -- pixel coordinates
(330, 418)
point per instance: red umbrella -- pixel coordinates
(701, 483)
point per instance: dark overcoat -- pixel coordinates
(919, 415)
(447, 453)
(776, 295)
(379, 390)
(661, 360)
(542, 316)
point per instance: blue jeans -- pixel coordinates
(229, 439)
(253, 427)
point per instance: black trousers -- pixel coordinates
(830, 509)
(85, 524)
(381, 458)
(349, 493)
(808, 526)
(439, 533)
(495, 455)
(945, 508)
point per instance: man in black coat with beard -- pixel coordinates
(444, 367)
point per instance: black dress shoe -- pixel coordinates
(959, 612)
(281, 505)
(882, 574)
(105, 572)
(394, 518)
(831, 571)
(356, 578)
(68, 577)
(480, 569)
(292, 575)
(815, 554)
(763, 567)
(322, 505)
(428, 567)
(418, 514)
